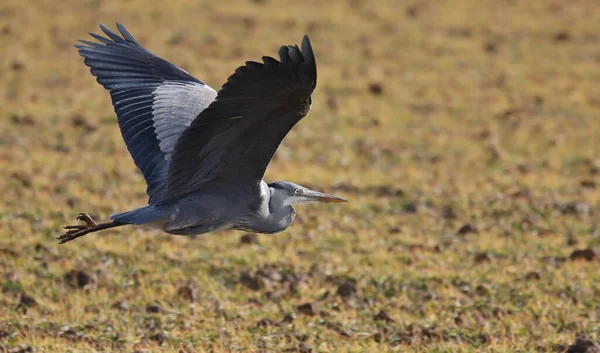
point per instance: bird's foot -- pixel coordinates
(78, 230)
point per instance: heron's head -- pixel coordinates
(294, 194)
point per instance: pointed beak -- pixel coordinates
(322, 197)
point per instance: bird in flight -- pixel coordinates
(203, 153)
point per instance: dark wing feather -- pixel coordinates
(154, 100)
(237, 135)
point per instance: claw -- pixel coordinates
(77, 230)
(87, 219)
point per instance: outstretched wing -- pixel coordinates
(155, 101)
(236, 136)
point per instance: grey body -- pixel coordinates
(204, 153)
(245, 209)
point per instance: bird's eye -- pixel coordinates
(297, 191)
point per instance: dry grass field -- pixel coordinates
(466, 135)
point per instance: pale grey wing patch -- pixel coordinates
(176, 104)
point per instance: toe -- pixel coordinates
(64, 238)
(78, 227)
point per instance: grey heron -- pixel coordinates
(203, 153)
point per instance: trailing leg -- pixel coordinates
(76, 231)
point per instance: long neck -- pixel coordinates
(270, 213)
(280, 218)
(281, 215)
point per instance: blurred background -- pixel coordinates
(464, 133)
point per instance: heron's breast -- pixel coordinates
(259, 204)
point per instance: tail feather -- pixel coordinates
(142, 215)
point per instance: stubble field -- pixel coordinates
(464, 133)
